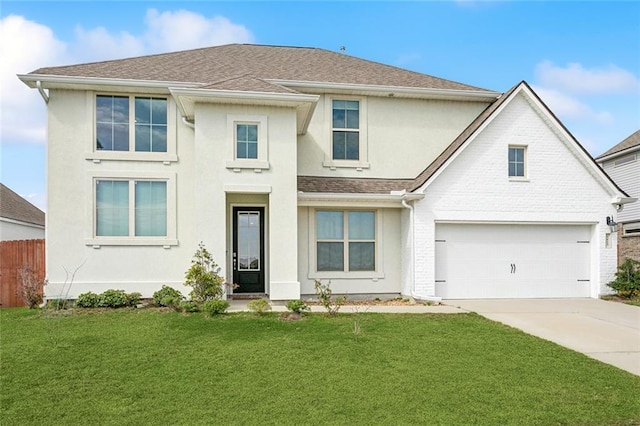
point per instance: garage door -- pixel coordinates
(512, 261)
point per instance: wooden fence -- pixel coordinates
(13, 256)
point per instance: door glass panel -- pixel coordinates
(248, 241)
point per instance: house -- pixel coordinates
(622, 163)
(299, 164)
(19, 219)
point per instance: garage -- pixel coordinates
(476, 261)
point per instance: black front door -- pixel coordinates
(248, 249)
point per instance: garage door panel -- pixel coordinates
(512, 261)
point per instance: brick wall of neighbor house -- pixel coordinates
(628, 246)
(476, 188)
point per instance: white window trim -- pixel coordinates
(623, 161)
(626, 227)
(363, 162)
(96, 241)
(132, 155)
(313, 260)
(524, 178)
(256, 164)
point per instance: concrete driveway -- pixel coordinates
(606, 331)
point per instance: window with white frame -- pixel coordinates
(345, 240)
(247, 140)
(131, 123)
(517, 161)
(345, 129)
(130, 208)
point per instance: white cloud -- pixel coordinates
(567, 107)
(98, 44)
(180, 30)
(24, 46)
(574, 78)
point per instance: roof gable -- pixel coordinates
(13, 206)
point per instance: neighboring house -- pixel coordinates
(622, 163)
(300, 164)
(19, 219)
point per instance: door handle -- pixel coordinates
(235, 261)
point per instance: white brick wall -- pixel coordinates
(559, 188)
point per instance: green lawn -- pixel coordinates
(152, 367)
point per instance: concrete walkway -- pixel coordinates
(241, 305)
(606, 331)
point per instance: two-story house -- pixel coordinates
(300, 164)
(622, 163)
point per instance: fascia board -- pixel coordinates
(322, 199)
(61, 81)
(614, 155)
(417, 92)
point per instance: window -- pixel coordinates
(345, 240)
(625, 160)
(131, 208)
(631, 229)
(247, 141)
(346, 130)
(114, 115)
(517, 161)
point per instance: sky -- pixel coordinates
(582, 58)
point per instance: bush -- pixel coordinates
(30, 287)
(133, 299)
(167, 296)
(112, 299)
(203, 277)
(215, 307)
(259, 306)
(187, 306)
(323, 291)
(87, 300)
(297, 306)
(627, 282)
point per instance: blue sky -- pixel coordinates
(582, 58)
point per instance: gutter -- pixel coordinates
(412, 285)
(188, 123)
(42, 92)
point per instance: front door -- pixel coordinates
(248, 249)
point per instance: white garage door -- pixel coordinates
(512, 261)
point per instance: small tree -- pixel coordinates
(330, 303)
(203, 277)
(30, 287)
(627, 282)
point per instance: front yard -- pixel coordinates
(150, 366)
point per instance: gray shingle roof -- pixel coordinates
(629, 142)
(333, 185)
(209, 65)
(13, 206)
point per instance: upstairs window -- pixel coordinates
(114, 131)
(517, 158)
(346, 130)
(247, 141)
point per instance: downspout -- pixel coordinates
(412, 256)
(42, 92)
(188, 123)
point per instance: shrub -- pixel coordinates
(30, 287)
(203, 277)
(297, 306)
(167, 296)
(215, 307)
(134, 298)
(627, 282)
(187, 306)
(87, 300)
(259, 306)
(323, 291)
(113, 299)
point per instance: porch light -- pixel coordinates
(613, 225)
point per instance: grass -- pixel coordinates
(152, 367)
